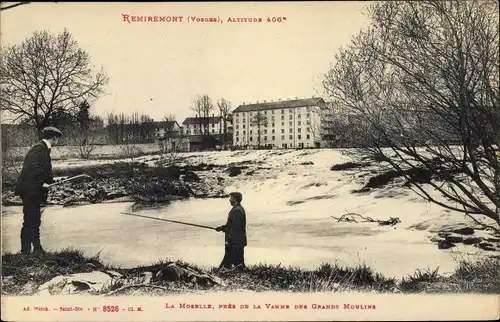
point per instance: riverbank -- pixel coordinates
(293, 200)
(29, 275)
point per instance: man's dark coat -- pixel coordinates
(235, 227)
(37, 170)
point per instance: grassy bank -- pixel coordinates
(22, 275)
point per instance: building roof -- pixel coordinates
(315, 101)
(165, 124)
(196, 120)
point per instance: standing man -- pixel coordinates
(32, 187)
(235, 234)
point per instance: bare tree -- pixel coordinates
(424, 77)
(224, 112)
(259, 120)
(112, 128)
(85, 142)
(203, 106)
(47, 74)
(197, 108)
(207, 107)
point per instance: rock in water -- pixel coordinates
(464, 231)
(486, 246)
(234, 171)
(454, 239)
(444, 244)
(471, 240)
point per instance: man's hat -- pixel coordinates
(51, 132)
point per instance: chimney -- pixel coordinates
(265, 101)
(296, 97)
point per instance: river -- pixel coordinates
(293, 236)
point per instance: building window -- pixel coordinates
(283, 124)
(265, 131)
(243, 125)
(265, 138)
(291, 117)
(272, 118)
(243, 132)
(273, 131)
(282, 117)
(282, 111)
(299, 130)
(213, 125)
(244, 120)
(299, 116)
(272, 124)
(308, 137)
(308, 115)
(272, 138)
(237, 121)
(308, 129)
(290, 123)
(250, 132)
(251, 138)
(237, 133)
(291, 137)
(282, 130)
(265, 112)
(291, 130)
(308, 109)
(282, 137)
(237, 126)
(237, 139)
(272, 111)
(300, 136)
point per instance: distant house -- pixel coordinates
(169, 135)
(196, 125)
(166, 129)
(284, 124)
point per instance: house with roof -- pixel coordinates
(284, 124)
(170, 136)
(208, 132)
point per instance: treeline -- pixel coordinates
(125, 129)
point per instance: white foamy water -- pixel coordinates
(289, 221)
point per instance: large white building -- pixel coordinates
(282, 124)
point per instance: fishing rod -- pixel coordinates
(168, 220)
(11, 194)
(69, 179)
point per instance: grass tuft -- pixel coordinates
(23, 274)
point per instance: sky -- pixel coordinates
(159, 68)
